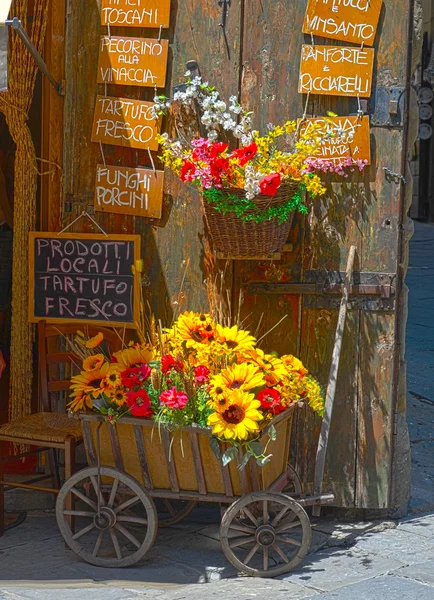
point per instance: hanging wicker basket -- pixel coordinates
(236, 238)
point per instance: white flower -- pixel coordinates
(187, 74)
(181, 96)
(228, 124)
(212, 135)
(220, 105)
(246, 139)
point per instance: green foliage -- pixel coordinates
(249, 211)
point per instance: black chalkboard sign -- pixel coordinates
(83, 277)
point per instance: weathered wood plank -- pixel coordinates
(169, 460)
(88, 443)
(116, 448)
(198, 467)
(375, 417)
(141, 452)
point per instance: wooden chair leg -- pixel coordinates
(2, 496)
(53, 464)
(69, 471)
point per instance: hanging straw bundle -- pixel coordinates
(15, 104)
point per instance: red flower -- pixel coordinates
(168, 363)
(135, 376)
(245, 154)
(218, 167)
(139, 404)
(217, 148)
(270, 184)
(270, 400)
(174, 399)
(187, 171)
(130, 377)
(201, 375)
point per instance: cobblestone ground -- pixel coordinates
(363, 561)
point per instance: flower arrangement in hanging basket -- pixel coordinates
(251, 184)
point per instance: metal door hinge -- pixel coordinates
(323, 289)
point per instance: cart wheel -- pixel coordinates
(262, 529)
(97, 535)
(294, 485)
(170, 511)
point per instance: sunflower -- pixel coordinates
(136, 355)
(294, 364)
(219, 398)
(96, 341)
(94, 362)
(239, 420)
(195, 328)
(113, 378)
(119, 396)
(273, 368)
(80, 402)
(89, 382)
(237, 377)
(235, 339)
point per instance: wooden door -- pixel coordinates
(257, 56)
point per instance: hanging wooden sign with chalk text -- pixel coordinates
(342, 137)
(124, 122)
(347, 20)
(136, 13)
(133, 61)
(126, 191)
(336, 71)
(83, 277)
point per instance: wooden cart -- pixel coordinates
(141, 477)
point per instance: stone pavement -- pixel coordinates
(364, 561)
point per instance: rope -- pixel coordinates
(15, 104)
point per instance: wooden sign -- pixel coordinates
(133, 61)
(348, 20)
(137, 192)
(83, 277)
(124, 122)
(336, 71)
(136, 13)
(343, 137)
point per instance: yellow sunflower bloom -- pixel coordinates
(96, 341)
(219, 398)
(119, 396)
(235, 339)
(136, 355)
(113, 377)
(294, 364)
(244, 376)
(239, 420)
(89, 382)
(272, 367)
(93, 363)
(195, 328)
(80, 402)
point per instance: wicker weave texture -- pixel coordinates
(43, 427)
(235, 237)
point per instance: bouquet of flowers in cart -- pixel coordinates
(198, 373)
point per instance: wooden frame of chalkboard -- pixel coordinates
(84, 278)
